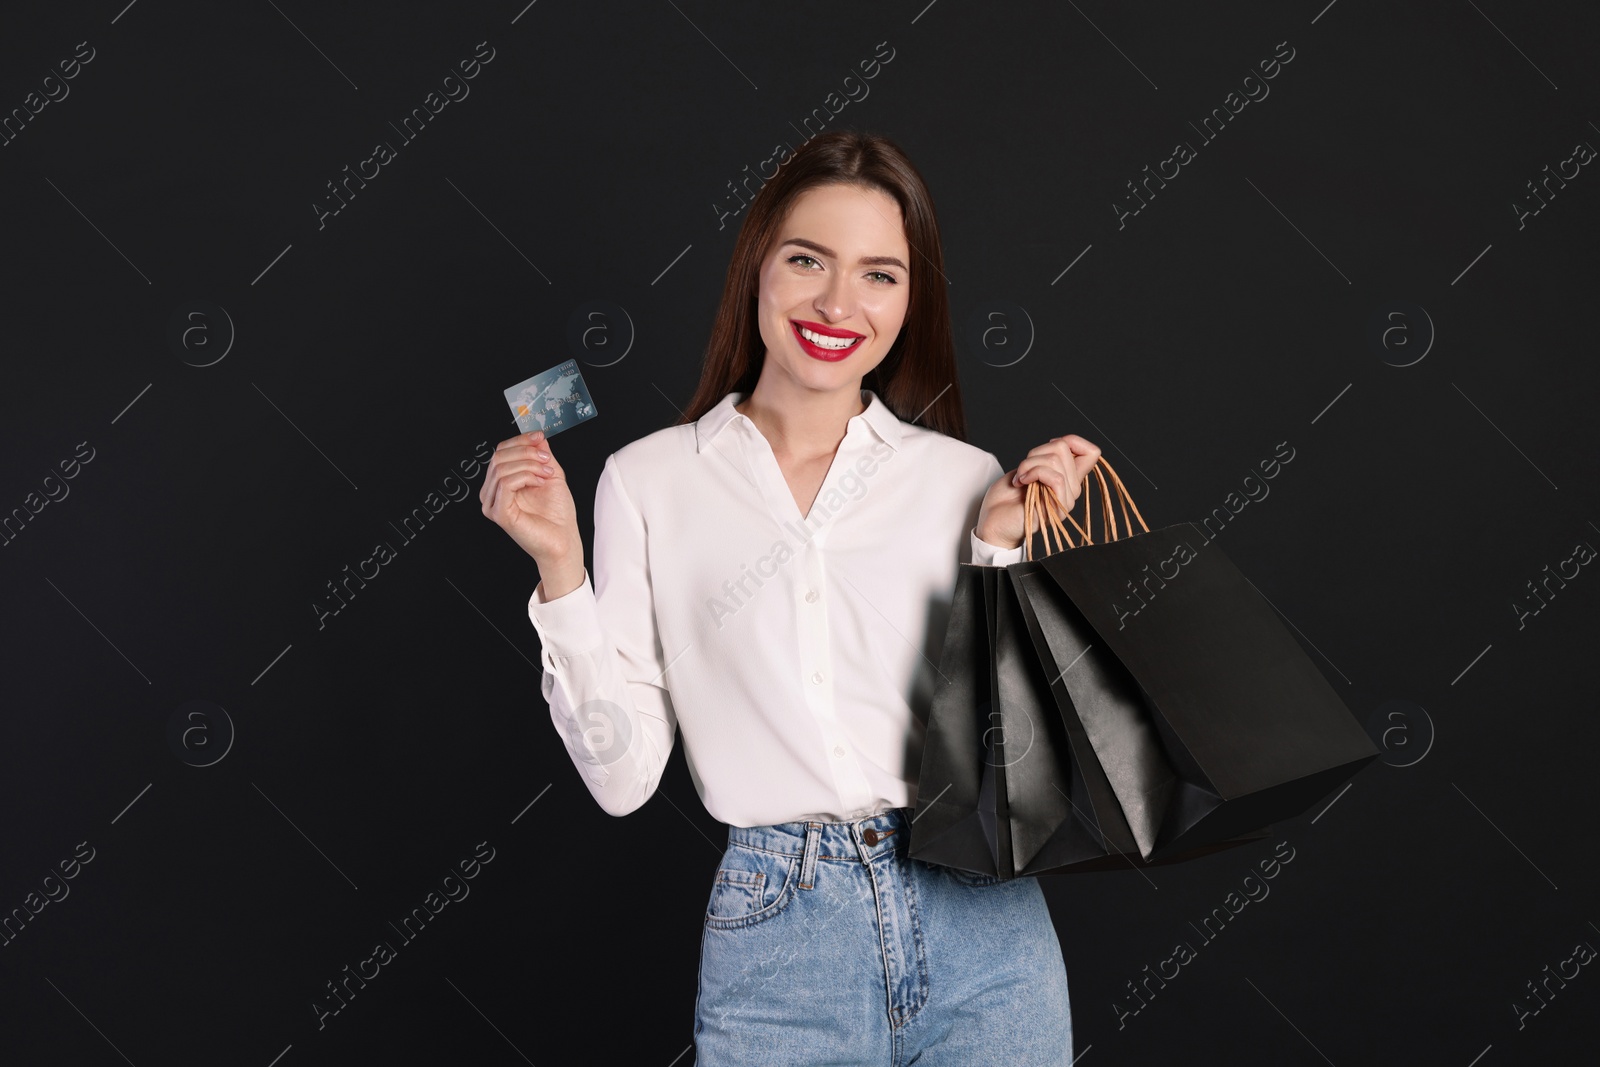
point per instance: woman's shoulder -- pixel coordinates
(658, 459)
(949, 450)
(652, 459)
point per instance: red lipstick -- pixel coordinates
(815, 351)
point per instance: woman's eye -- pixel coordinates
(889, 278)
(801, 256)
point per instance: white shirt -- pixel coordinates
(796, 654)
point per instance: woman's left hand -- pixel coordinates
(1061, 463)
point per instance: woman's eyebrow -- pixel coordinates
(875, 261)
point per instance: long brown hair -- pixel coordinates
(921, 387)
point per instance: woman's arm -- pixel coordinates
(603, 665)
(602, 662)
(986, 553)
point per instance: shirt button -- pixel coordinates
(811, 596)
(816, 677)
(838, 750)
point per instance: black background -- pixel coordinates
(365, 360)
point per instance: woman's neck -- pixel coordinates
(802, 423)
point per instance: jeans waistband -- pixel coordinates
(855, 839)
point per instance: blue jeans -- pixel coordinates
(825, 943)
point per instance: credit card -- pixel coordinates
(551, 400)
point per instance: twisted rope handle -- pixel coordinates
(1041, 508)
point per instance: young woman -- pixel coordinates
(771, 578)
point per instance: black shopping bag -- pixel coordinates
(1068, 735)
(991, 769)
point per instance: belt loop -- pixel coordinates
(808, 862)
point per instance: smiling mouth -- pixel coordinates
(825, 346)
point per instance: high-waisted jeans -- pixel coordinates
(825, 943)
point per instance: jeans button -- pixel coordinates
(870, 836)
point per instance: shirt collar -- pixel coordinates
(883, 422)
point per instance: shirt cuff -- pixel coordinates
(986, 555)
(569, 625)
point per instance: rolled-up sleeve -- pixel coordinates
(603, 667)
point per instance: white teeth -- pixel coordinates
(827, 342)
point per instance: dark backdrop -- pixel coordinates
(220, 393)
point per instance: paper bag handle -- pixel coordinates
(1042, 508)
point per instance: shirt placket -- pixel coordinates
(811, 601)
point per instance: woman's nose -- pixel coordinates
(833, 303)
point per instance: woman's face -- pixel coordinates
(840, 272)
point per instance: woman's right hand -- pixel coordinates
(525, 493)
